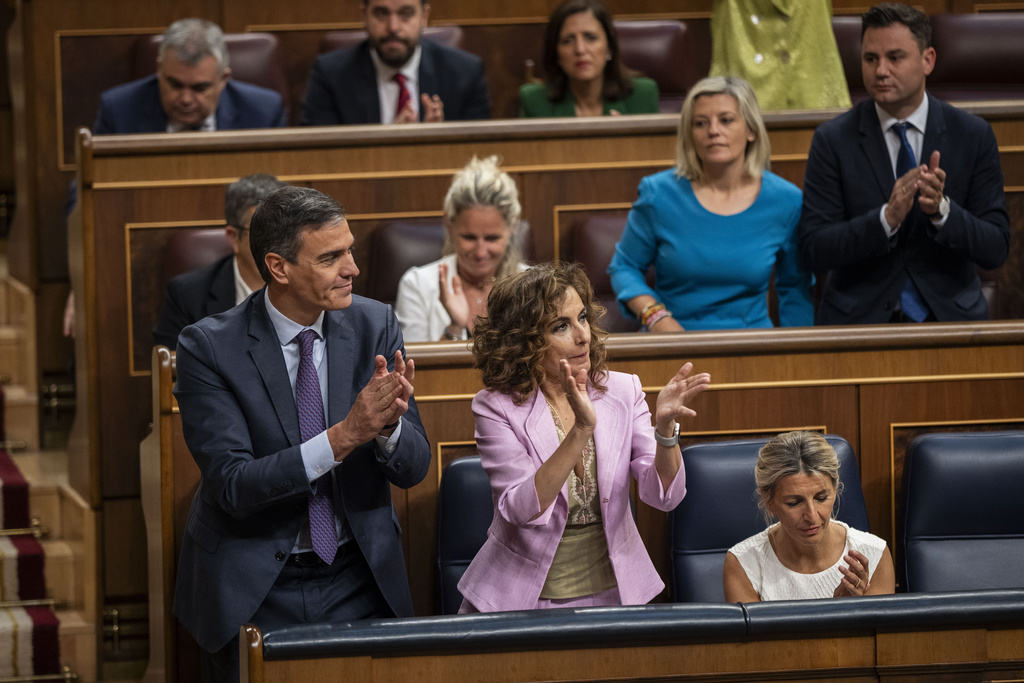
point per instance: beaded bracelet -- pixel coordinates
(655, 317)
(649, 312)
(648, 307)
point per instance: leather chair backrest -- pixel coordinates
(450, 36)
(464, 513)
(720, 510)
(663, 51)
(990, 289)
(978, 56)
(190, 249)
(963, 524)
(397, 246)
(594, 240)
(847, 33)
(253, 58)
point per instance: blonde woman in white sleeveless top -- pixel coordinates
(806, 553)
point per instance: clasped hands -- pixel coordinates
(854, 581)
(928, 180)
(383, 400)
(433, 110)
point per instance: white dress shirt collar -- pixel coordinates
(387, 88)
(915, 133)
(242, 288)
(286, 328)
(208, 125)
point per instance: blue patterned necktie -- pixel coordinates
(311, 422)
(910, 298)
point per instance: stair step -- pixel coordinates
(61, 573)
(12, 354)
(78, 644)
(21, 417)
(15, 300)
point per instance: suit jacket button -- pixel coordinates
(280, 556)
(398, 467)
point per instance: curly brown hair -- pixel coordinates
(509, 345)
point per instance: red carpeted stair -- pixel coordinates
(29, 644)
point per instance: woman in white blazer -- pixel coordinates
(441, 300)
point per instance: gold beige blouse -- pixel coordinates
(581, 565)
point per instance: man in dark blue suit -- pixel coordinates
(255, 548)
(228, 281)
(903, 194)
(395, 76)
(191, 90)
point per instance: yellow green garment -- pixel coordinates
(785, 49)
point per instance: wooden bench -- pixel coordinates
(924, 637)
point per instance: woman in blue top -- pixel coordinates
(715, 226)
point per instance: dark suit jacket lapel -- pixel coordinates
(154, 118)
(429, 83)
(361, 92)
(227, 112)
(935, 132)
(265, 351)
(340, 338)
(222, 288)
(873, 146)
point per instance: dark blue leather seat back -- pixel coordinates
(964, 511)
(720, 510)
(464, 513)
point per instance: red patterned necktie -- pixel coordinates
(403, 94)
(310, 404)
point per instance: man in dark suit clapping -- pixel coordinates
(297, 407)
(903, 194)
(395, 75)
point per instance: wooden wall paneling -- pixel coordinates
(951, 655)
(261, 12)
(299, 47)
(133, 185)
(88, 64)
(558, 199)
(892, 414)
(22, 242)
(505, 49)
(1010, 282)
(41, 24)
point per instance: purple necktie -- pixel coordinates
(311, 422)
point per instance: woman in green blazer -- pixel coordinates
(584, 74)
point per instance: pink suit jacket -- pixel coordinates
(509, 571)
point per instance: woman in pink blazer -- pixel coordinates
(559, 435)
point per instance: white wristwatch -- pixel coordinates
(943, 210)
(668, 441)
